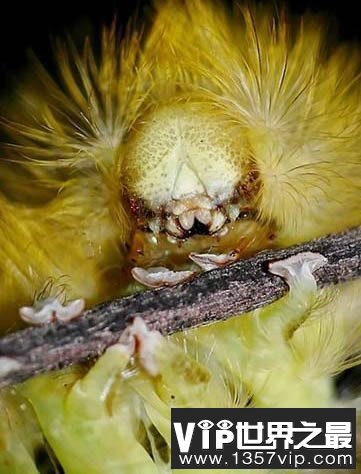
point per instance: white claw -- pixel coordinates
(144, 343)
(209, 261)
(160, 276)
(186, 220)
(299, 268)
(218, 220)
(51, 310)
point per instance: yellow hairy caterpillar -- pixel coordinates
(213, 135)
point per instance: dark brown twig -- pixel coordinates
(212, 296)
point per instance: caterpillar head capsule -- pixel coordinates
(190, 179)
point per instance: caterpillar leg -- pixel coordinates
(298, 270)
(122, 413)
(280, 378)
(257, 353)
(156, 277)
(209, 261)
(172, 377)
(50, 310)
(116, 417)
(91, 420)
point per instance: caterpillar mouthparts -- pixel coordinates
(186, 229)
(196, 215)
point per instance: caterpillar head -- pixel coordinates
(190, 177)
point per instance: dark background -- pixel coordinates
(31, 25)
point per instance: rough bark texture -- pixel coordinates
(211, 296)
